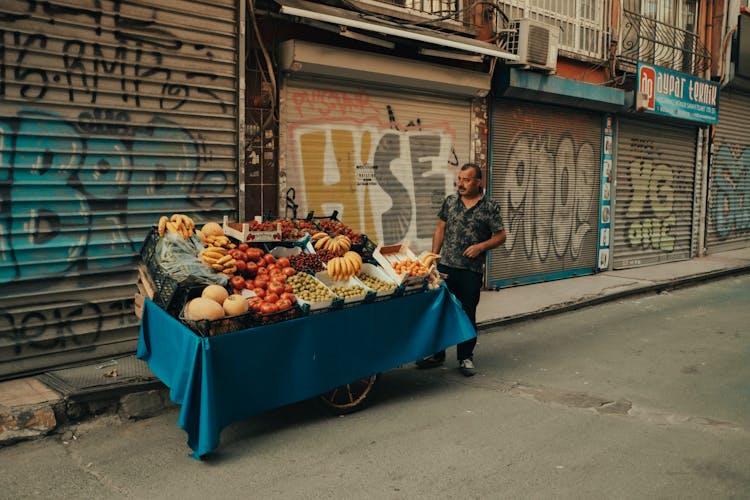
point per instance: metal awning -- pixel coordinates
(352, 19)
(302, 58)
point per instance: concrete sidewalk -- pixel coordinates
(530, 301)
(34, 406)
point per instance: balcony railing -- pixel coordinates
(647, 40)
(459, 16)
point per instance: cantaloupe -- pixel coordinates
(235, 304)
(217, 293)
(212, 229)
(203, 308)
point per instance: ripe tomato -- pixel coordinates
(261, 282)
(283, 304)
(238, 282)
(252, 269)
(272, 265)
(238, 254)
(268, 308)
(241, 266)
(277, 277)
(255, 303)
(288, 271)
(275, 287)
(243, 247)
(260, 292)
(262, 270)
(283, 262)
(254, 253)
(288, 296)
(288, 288)
(271, 297)
(270, 259)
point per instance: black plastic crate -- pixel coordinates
(169, 294)
(211, 327)
(228, 324)
(290, 313)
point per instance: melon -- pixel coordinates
(235, 304)
(217, 293)
(203, 308)
(212, 229)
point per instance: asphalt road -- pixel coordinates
(647, 397)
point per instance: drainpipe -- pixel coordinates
(709, 34)
(703, 156)
(241, 202)
(722, 54)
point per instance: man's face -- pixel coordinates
(468, 184)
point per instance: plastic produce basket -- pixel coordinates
(169, 294)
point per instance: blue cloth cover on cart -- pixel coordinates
(219, 380)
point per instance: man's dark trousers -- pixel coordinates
(466, 286)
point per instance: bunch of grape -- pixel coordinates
(306, 262)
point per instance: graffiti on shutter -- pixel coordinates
(112, 114)
(384, 163)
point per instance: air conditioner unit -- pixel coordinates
(535, 43)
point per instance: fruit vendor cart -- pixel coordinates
(222, 379)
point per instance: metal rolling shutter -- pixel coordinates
(546, 175)
(384, 159)
(729, 188)
(654, 197)
(109, 119)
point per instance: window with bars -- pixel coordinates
(583, 23)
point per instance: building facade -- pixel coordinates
(111, 114)
(610, 132)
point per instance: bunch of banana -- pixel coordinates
(179, 224)
(219, 259)
(429, 258)
(344, 267)
(338, 244)
(212, 240)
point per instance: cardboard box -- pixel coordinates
(315, 306)
(379, 273)
(329, 282)
(242, 233)
(389, 254)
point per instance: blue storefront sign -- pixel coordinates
(678, 95)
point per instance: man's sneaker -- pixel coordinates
(466, 367)
(431, 361)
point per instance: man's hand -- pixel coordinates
(473, 251)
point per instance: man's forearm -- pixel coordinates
(437, 239)
(496, 240)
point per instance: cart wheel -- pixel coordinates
(350, 397)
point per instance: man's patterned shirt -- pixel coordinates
(465, 227)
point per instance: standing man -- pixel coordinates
(469, 225)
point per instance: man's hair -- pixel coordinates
(477, 169)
